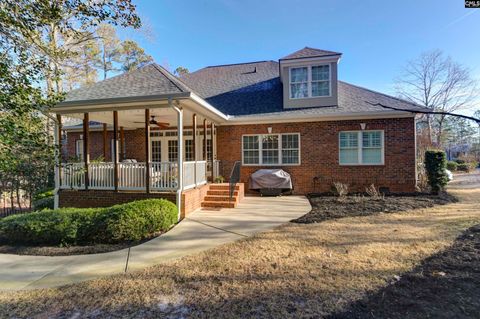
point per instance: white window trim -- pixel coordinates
(360, 148)
(280, 157)
(309, 82)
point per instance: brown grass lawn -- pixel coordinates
(296, 270)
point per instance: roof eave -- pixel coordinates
(130, 99)
(284, 118)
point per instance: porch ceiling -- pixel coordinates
(132, 115)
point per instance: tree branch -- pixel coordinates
(471, 118)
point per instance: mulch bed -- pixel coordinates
(445, 285)
(331, 207)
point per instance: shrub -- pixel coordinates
(43, 203)
(464, 167)
(373, 192)
(219, 179)
(452, 166)
(72, 226)
(460, 161)
(435, 166)
(340, 189)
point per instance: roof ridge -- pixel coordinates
(384, 94)
(232, 64)
(172, 78)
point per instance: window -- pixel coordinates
(311, 81)
(79, 149)
(361, 148)
(156, 151)
(189, 150)
(271, 149)
(172, 150)
(298, 83)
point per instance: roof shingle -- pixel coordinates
(151, 79)
(307, 52)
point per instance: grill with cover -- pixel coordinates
(271, 181)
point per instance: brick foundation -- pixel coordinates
(319, 154)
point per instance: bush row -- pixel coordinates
(81, 226)
(461, 165)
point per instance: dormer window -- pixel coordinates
(310, 81)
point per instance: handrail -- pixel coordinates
(234, 179)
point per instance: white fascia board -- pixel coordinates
(209, 108)
(289, 118)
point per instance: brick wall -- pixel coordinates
(134, 144)
(192, 199)
(319, 154)
(99, 198)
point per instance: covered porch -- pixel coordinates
(174, 147)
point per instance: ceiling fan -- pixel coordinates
(155, 122)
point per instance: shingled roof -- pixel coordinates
(239, 90)
(252, 89)
(149, 80)
(307, 52)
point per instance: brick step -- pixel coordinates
(221, 193)
(222, 187)
(219, 198)
(219, 204)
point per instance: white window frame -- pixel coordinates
(280, 157)
(360, 148)
(309, 81)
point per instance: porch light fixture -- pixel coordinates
(269, 129)
(363, 126)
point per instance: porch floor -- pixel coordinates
(199, 231)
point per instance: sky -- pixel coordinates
(377, 38)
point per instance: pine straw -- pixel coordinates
(296, 270)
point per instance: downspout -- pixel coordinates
(180, 156)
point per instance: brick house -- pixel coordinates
(148, 133)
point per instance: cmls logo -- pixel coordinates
(472, 3)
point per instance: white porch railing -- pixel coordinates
(194, 174)
(100, 176)
(72, 175)
(131, 176)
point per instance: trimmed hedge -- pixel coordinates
(80, 226)
(435, 166)
(464, 167)
(452, 166)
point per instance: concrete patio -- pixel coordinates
(202, 230)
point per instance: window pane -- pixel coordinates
(189, 150)
(172, 150)
(372, 156)
(372, 139)
(348, 139)
(156, 151)
(290, 157)
(289, 141)
(250, 143)
(321, 88)
(270, 142)
(349, 156)
(250, 157)
(298, 90)
(321, 72)
(270, 157)
(299, 75)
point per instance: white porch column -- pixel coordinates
(57, 138)
(179, 112)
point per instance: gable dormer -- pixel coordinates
(309, 78)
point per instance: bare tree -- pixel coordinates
(438, 83)
(110, 47)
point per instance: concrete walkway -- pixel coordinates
(200, 231)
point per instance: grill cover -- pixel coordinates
(270, 178)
